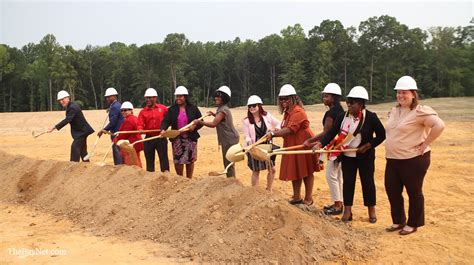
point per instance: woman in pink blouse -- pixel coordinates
(410, 129)
(256, 125)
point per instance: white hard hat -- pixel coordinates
(287, 90)
(110, 92)
(358, 92)
(62, 94)
(181, 90)
(127, 105)
(224, 89)
(151, 92)
(332, 88)
(406, 83)
(254, 100)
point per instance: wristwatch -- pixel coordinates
(272, 133)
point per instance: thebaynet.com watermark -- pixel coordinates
(25, 252)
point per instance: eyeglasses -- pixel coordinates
(252, 106)
(123, 110)
(351, 101)
(283, 98)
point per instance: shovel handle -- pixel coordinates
(261, 140)
(136, 131)
(313, 151)
(185, 128)
(289, 148)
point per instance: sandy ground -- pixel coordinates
(447, 237)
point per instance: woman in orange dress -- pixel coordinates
(295, 130)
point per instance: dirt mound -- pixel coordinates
(208, 219)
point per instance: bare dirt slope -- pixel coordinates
(214, 219)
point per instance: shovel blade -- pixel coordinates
(235, 153)
(171, 133)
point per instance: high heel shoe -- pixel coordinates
(345, 220)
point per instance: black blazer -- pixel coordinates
(171, 118)
(75, 117)
(372, 124)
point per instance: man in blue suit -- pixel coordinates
(115, 120)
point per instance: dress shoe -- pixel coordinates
(406, 232)
(394, 228)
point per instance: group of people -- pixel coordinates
(348, 139)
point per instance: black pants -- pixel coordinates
(408, 173)
(118, 160)
(159, 145)
(231, 170)
(366, 168)
(79, 149)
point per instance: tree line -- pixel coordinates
(373, 55)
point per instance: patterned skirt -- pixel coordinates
(257, 165)
(184, 150)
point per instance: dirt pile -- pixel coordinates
(208, 219)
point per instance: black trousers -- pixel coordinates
(408, 173)
(118, 160)
(79, 149)
(159, 145)
(366, 167)
(231, 170)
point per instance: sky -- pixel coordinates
(79, 23)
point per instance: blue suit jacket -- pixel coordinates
(115, 117)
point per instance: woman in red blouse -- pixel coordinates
(130, 123)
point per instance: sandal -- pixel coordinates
(308, 204)
(327, 207)
(295, 201)
(333, 211)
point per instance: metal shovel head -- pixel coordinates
(171, 133)
(235, 153)
(125, 145)
(266, 147)
(259, 154)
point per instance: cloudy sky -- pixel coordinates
(79, 23)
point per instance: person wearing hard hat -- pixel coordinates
(411, 128)
(150, 118)
(255, 126)
(295, 130)
(80, 128)
(355, 130)
(184, 146)
(331, 99)
(227, 135)
(130, 123)
(115, 120)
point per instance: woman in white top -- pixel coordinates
(256, 125)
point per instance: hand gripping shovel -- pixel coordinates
(263, 155)
(92, 153)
